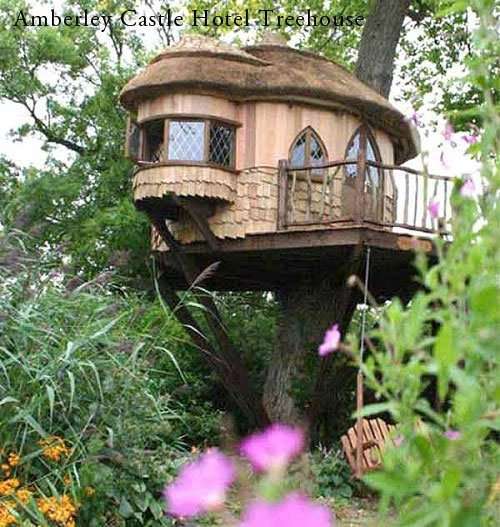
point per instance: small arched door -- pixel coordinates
(370, 204)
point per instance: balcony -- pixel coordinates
(385, 196)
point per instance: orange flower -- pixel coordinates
(54, 448)
(8, 486)
(24, 495)
(13, 459)
(59, 510)
(6, 518)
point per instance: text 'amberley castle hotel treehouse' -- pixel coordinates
(276, 162)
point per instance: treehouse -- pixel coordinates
(278, 163)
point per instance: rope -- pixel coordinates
(359, 378)
(365, 308)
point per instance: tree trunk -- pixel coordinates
(294, 390)
(379, 40)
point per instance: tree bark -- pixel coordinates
(296, 376)
(379, 40)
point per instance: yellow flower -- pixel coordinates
(5, 469)
(67, 480)
(54, 448)
(13, 459)
(60, 510)
(8, 486)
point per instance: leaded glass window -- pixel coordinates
(352, 153)
(307, 150)
(186, 141)
(221, 146)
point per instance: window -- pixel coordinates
(307, 150)
(154, 148)
(186, 140)
(372, 154)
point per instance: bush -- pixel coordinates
(95, 408)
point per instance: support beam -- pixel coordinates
(228, 364)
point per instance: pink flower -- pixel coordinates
(293, 511)
(331, 341)
(468, 189)
(433, 208)
(452, 435)
(201, 486)
(448, 132)
(398, 441)
(273, 448)
(470, 139)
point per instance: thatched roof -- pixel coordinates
(268, 71)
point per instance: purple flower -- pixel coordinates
(201, 486)
(448, 132)
(415, 118)
(452, 435)
(331, 341)
(273, 448)
(433, 208)
(293, 511)
(468, 189)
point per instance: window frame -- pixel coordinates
(207, 121)
(370, 139)
(310, 132)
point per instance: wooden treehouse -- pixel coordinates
(276, 162)
(280, 165)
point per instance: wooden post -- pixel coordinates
(360, 176)
(282, 193)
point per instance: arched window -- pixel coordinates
(307, 150)
(372, 154)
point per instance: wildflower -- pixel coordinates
(415, 118)
(448, 131)
(8, 486)
(398, 441)
(13, 459)
(468, 189)
(54, 447)
(470, 139)
(293, 511)
(23, 495)
(433, 208)
(452, 435)
(201, 486)
(59, 510)
(6, 518)
(6, 469)
(274, 448)
(331, 341)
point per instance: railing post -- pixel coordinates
(360, 177)
(282, 193)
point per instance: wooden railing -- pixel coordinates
(386, 195)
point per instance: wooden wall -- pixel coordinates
(266, 131)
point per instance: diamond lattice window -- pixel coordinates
(373, 176)
(307, 150)
(186, 141)
(221, 146)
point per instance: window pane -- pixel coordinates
(221, 144)
(317, 154)
(186, 140)
(133, 139)
(298, 156)
(352, 154)
(373, 176)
